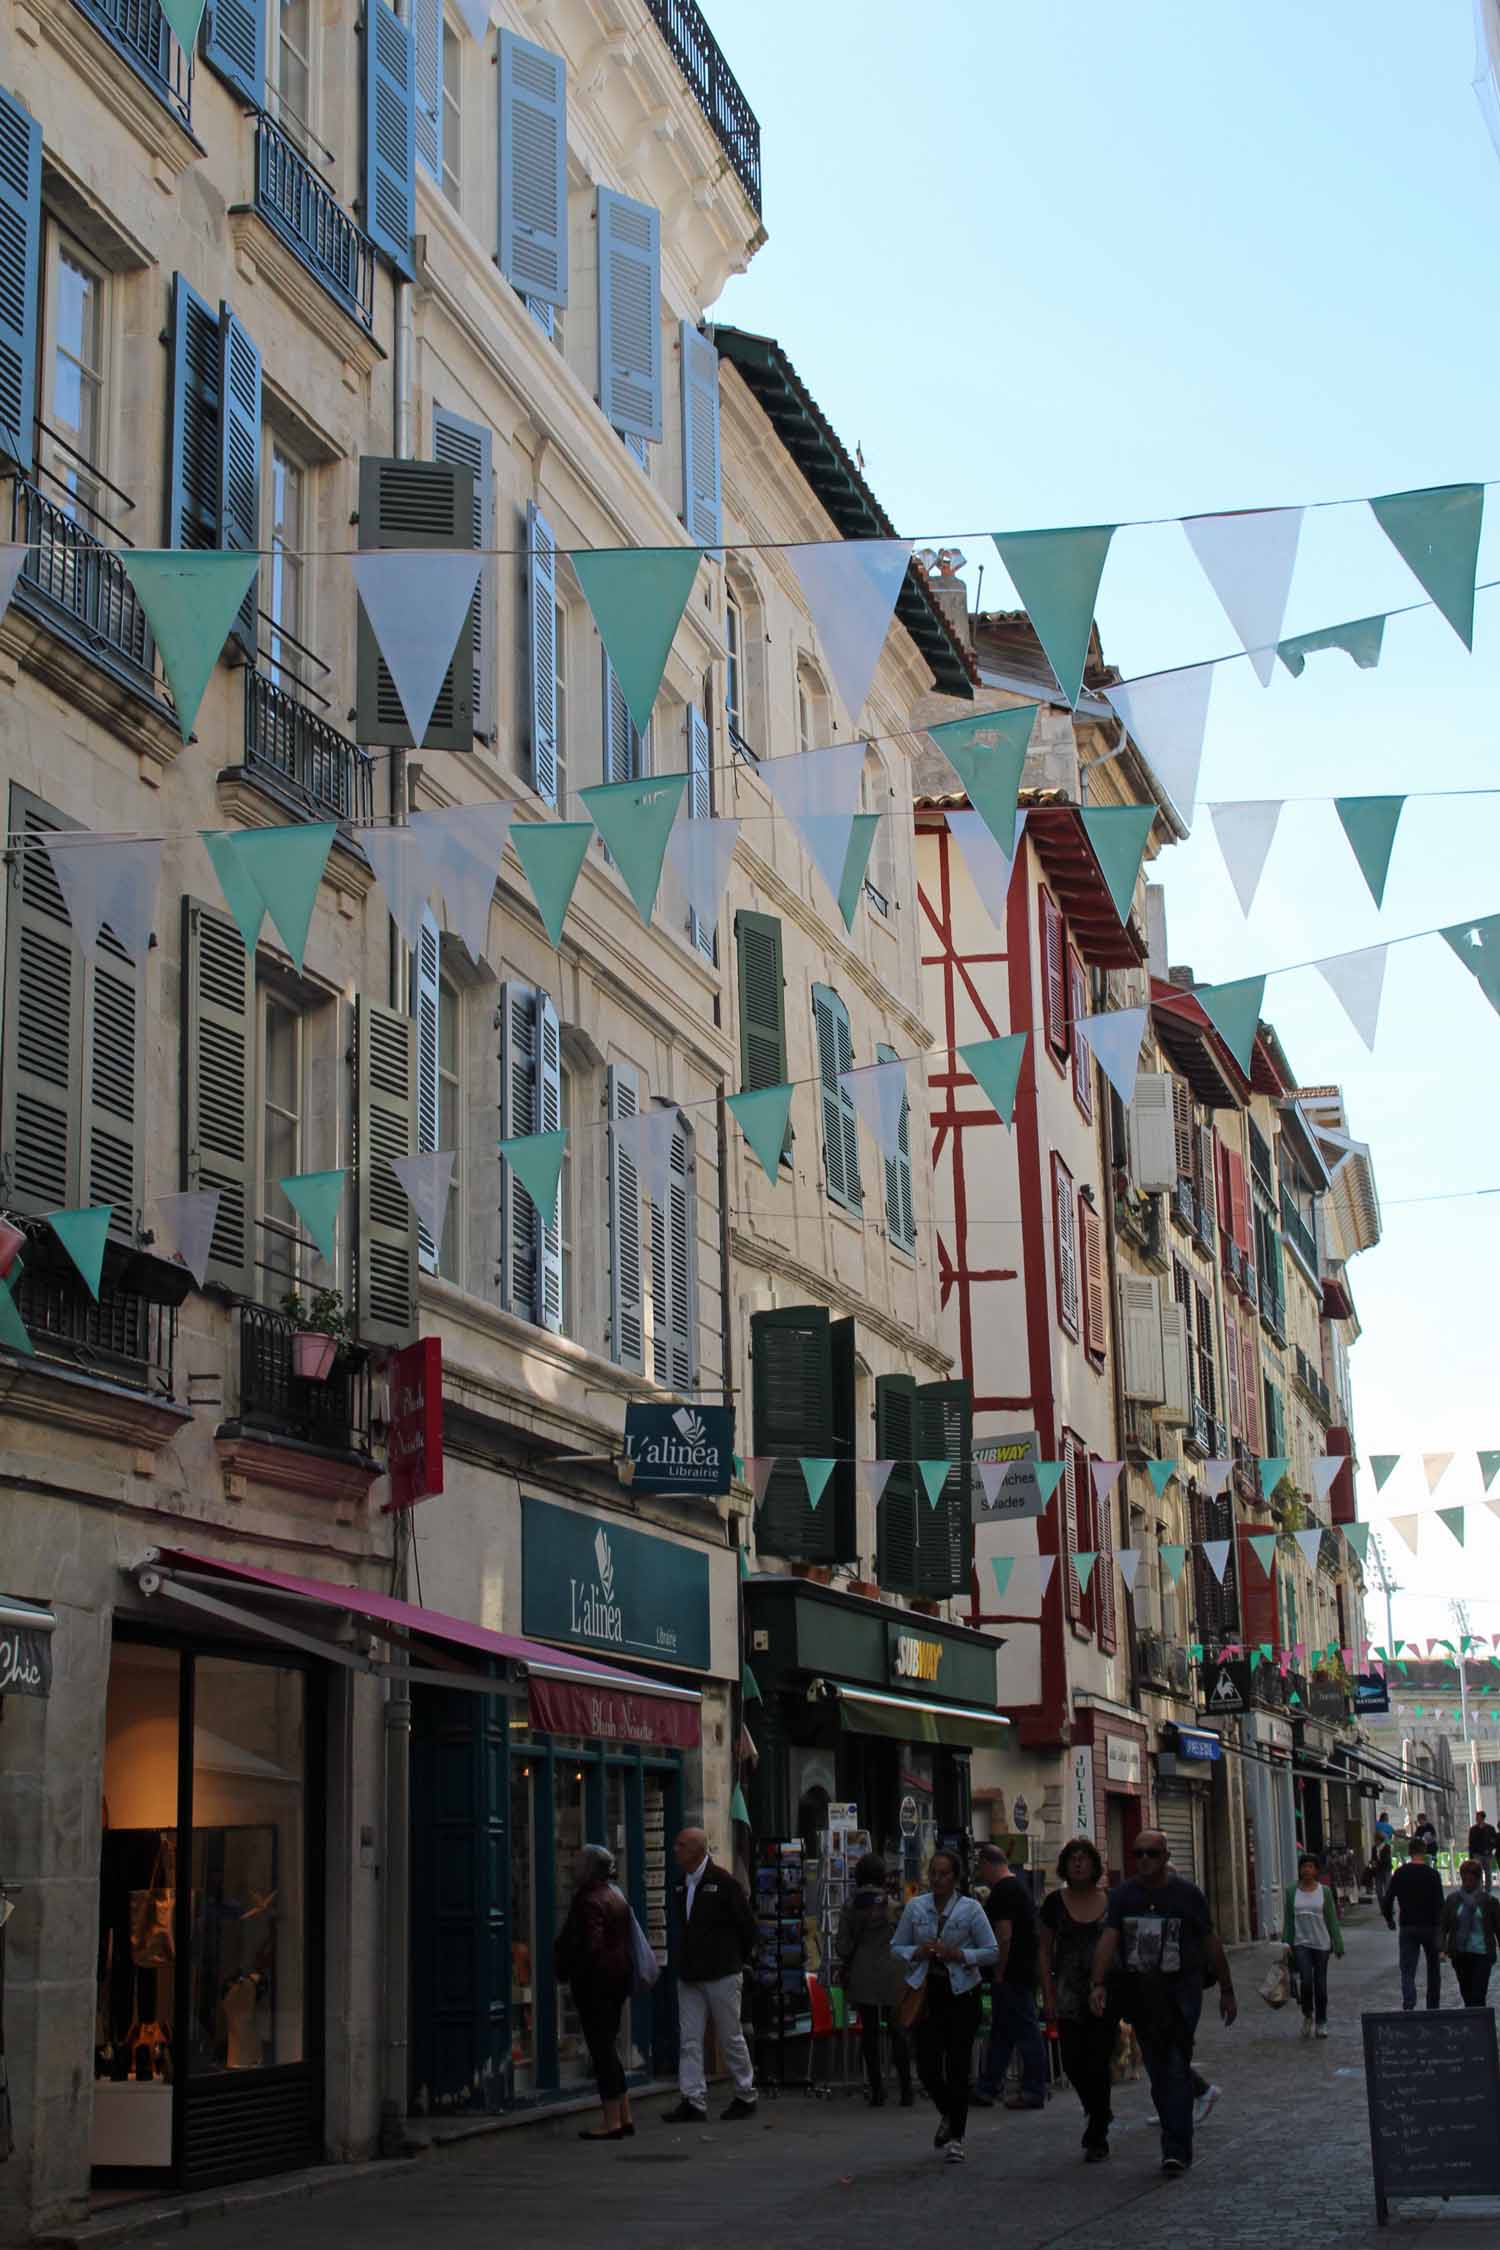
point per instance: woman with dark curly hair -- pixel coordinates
(1071, 1920)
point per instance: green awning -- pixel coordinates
(901, 1718)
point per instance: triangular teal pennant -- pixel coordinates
(13, 1336)
(1454, 1519)
(635, 819)
(1118, 834)
(1358, 1537)
(1370, 825)
(282, 867)
(738, 1809)
(241, 891)
(816, 1470)
(988, 754)
(1272, 1469)
(1360, 638)
(739, 1470)
(1263, 1545)
(1002, 1566)
(750, 1685)
(1161, 1474)
(637, 595)
(82, 1234)
(185, 17)
(1057, 574)
(1477, 945)
(1436, 534)
(1489, 1463)
(934, 1476)
(316, 1197)
(762, 1115)
(1048, 1478)
(551, 854)
(191, 597)
(1234, 1011)
(1083, 1568)
(537, 1159)
(1173, 1557)
(856, 860)
(995, 1066)
(1381, 1465)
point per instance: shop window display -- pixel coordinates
(523, 1937)
(134, 2032)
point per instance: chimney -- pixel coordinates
(941, 566)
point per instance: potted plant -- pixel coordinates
(320, 1328)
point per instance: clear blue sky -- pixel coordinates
(1056, 264)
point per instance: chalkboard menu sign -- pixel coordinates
(1433, 2082)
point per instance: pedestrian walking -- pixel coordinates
(1071, 1920)
(714, 1927)
(1471, 1930)
(947, 1940)
(1383, 1828)
(1381, 1870)
(1416, 1893)
(873, 1978)
(1483, 1839)
(1160, 1932)
(1013, 2020)
(1311, 1932)
(595, 1955)
(1424, 1833)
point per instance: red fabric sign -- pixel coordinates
(608, 1715)
(414, 1445)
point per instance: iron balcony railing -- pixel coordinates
(1272, 1311)
(1246, 1472)
(719, 94)
(305, 760)
(138, 30)
(275, 1400)
(122, 1336)
(1312, 1382)
(1260, 1163)
(76, 586)
(1185, 1205)
(313, 223)
(1298, 1233)
(1204, 1227)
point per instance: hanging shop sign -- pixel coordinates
(1326, 1699)
(1226, 1684)
(1371, 1694)
(913, 1658)
(602, 1714)
(414, 1443)
(1083, 1790)
(25, 1651)
(599, 1584)
(1019, 1493)
(1194, 1743)
(680, 1448)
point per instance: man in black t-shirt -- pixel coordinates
(1159, 1933)
(1013, 2023)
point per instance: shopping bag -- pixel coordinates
(1276, 1984)
(643, 1958)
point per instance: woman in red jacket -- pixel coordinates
(594, 1956)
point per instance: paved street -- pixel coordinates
(1284, 2161)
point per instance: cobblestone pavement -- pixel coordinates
(1284, 2161)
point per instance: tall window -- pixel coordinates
(453, 119)
(560, 702)
(450, 1121)
(734, 659)
(804, 714)
(282, 569)
(281, 1136)
(74, 388)
(565, 1204)
(292, 64)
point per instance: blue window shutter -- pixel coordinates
(234, 44)
(533, 247)
(549, 1307)
(625, 751)
(541, 636)
(630, 315)
(700, 805)
(239, 460)
(835, 1048)
(899, 1218)
(390, 185)
(427, 61)
(20, 276)
(626, 1313)
(469, 445)
(519, 1112)
(429, 1057)
(701, 507)
(194, 441)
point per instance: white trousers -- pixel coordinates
(719, 1998)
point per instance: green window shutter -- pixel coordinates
(627, 1318)
(385, 1241)
(20, 277)
(390, 179)
(700, 805)
(218, 1086)
(630, 315)
(762, 1001)
(835, 1048)
(900, 1221)
(468, 445)
(945, 1432)
(549, 1118)
(239, 461)
(427, 997)
(112, 1164)
(194, 438)
(674, 1270)
(841, 1485)
(541, 638)
(520, 1113)
(896, 1441)
(44, 1025)
(414, 504)
(702, 510)
(427, 64)
(792, 1414)
(234, 44)
(533, 252)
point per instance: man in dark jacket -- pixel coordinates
(1416, 1891)
(1484, 1837)
(715, 1935)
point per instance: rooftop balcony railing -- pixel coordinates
(719, 95)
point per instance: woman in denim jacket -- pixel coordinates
(948, 1942)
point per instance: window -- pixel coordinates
(734, 682)
(560, 700)
(875, 797)
(282, 579)
(1182, 1290)
(1091, 1249)
(835, 1050)
(450, 1120)
(1054, 979)
(900, 1221)
(1208, 1390)
(281, 1144)
(291, 64)
(674, 1270)
(530, 1102)
(744, 661)
(814, 731)
(565, 1214)
(1078, 1007)
(922, 1548)
(1077, 1516)
(1065, 1245)
(75, 383)
(453, 85)
(1103, 1583)
(1168, 1594)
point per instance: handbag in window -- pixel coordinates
(151, 1913)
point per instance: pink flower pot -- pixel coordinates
(12, 1243)
(313, 1355)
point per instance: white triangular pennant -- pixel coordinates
(416, 600)
(1248, 559)
(992, 1474)
(759, 1469)
(403, 873)
(1045, 1565)
(1166, 713)
(1216, 1553)
(1435, 1467)
(1106, 1475)
(1245, 830)
(1356, 979)
(989, 869)
(1116, 1043)
(700, 852)
(1216, 1474)
(874, 1476)
(819, 790)
(107, 879)
(1129, 1560)
(1325, 1468)
(427, 1178)
(878, 1093)
(850, 587)
(647, 1138)
(184, 1228)
(463, 846)
(1311, 1543)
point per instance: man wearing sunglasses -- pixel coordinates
(1159, 1933)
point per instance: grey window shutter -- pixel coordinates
(239, 460)
(850, 1121)
(43, 1031)
(390, 184)
(234, 44)
(900, 1220)
(673, 1270)
(112, 1165)
(20, 276)
(520, 1110)
(626, 1315)
(549, 1080)
(414, 504)
(896, 1442)
(944, 1432)
(762, 1000)
(429, 1018)
(193, 449)
(427, 63)
(625, 757)
(469, 445)
(218, 1086)
(541, 636)
(792, 1414)
(840, 1124)
(533, 250)
(629, 315)
(701, 505)
(700, 805)
(385, 1235)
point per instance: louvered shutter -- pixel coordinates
(549, 1083)
(1250, 1384)
(762, 1001)
(1232, 1373)
(840, 1123)
(468, 445)
(1054, 978)
(624, 748)
(896, 1442)
(1153, 1153)
(414, 504)
(195, 436)
(111, 1166)
(1203, 1175)
(629, 315)
(1083, 1061)
(390, 182)
(1240, 1202)
(234, 44)
(385, 1238)
(426, 17)
(702, 509)
(1143, 1375)
(44, 1025)
(673, 1246)
(239, 461)
(1182, 1129)
(1065, 1244)
(1208, 1388)
(533, 252)
(848, 1115)
(1074, 1518)
(792, 1415)
(541, 641)
(626, 1312)
(429, 1058)
(944, 1432)
(899, 1218)
(519, 1112)
(1103, 1585)
(1091, 1259)
(700, 807)
(20, 277)
(1177, 1400)
(218, 1086)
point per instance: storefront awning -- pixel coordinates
(569, 1693)
(1391, 1769)
(901, 1718)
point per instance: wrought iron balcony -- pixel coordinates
(1153, 1659)
(1204, 1227)
(313, 223)
(138, 30)
(1246, 1473)
(1200, 1435)
(1313, 1384)
(1272, 1311)
(719, 94)
(1298, 1234)
(1185, 1206)
(76, 586)
(126, 1336)
(304, 760)
(277, 1402)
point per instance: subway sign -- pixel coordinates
(913, 1658)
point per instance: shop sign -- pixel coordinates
(414, 1443)
(1203, 1747)
(599, 1584)
(680, 1448)
(611, 1714)
(1371, 1693)
(1019, 1494)
(1021, 1816)
(1274, 1734)
(908, 1816)
(25, 1661)
(1326, 1699)
(1122, 1757)
(1226, 1684)
(1083, 1791)
(915, 1659)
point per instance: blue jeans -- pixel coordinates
(1013, 2026)
(1411, 1945)
(1312, 1979)
(1166, 2045)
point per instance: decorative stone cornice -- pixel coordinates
(88, 54)
(38, 1390)
(784, 1265)
(148, 729)
(260, 254)
(261, 1461)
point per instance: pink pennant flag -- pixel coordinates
(874, 1476)
(1106, 1475)
(1129, 1560)
(758, 1470)
(1325, 1468)
(1216, 1474)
